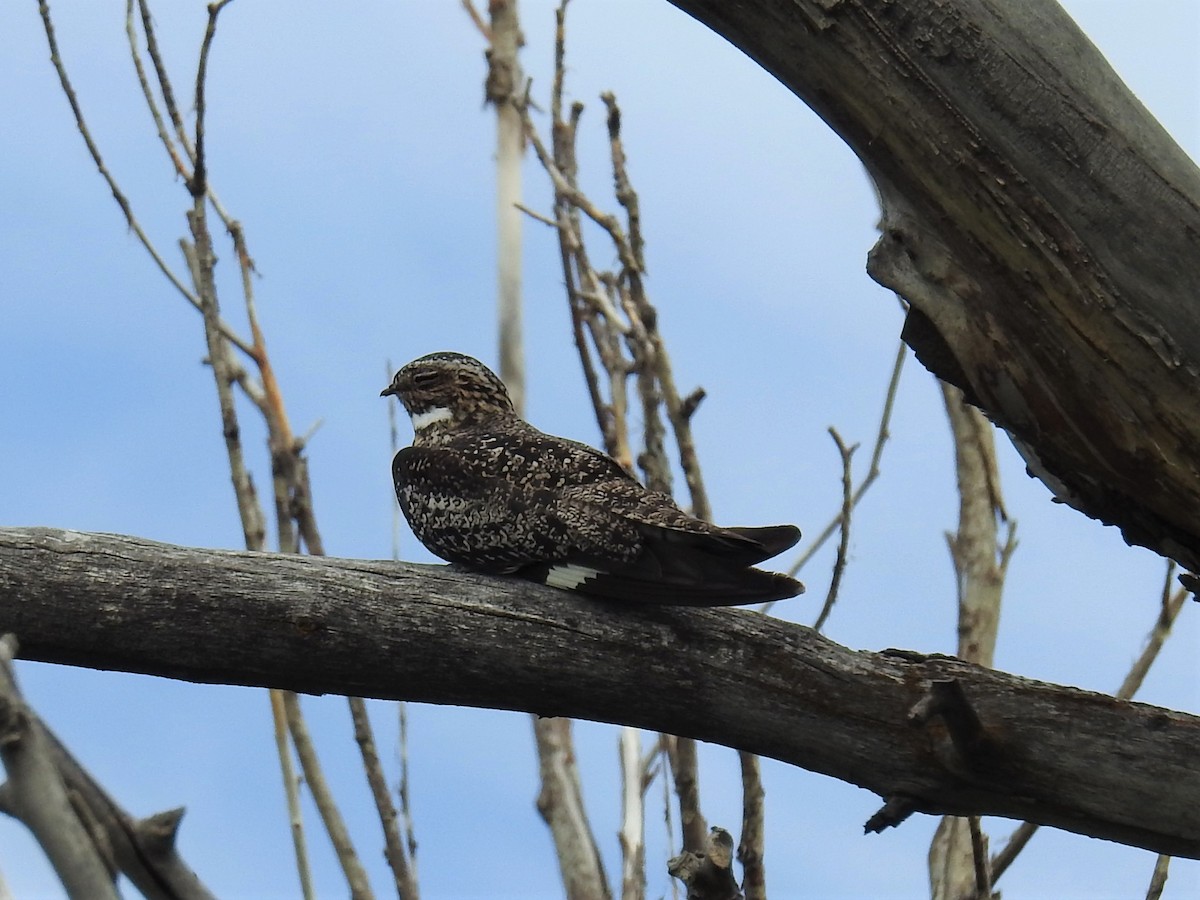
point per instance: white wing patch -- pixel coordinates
(423, 420)
(570, 576)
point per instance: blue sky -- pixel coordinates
(352, 143)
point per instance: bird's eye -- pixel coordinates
(426, 377)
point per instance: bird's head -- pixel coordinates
(447, 390)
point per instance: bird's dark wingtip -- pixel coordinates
(749, 586)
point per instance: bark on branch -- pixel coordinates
(1043, 226)
(1122, 771)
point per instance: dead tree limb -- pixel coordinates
(931, 733)
(88, 838)
(1043, 226)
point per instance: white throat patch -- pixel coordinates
(423, 420)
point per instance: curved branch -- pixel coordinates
(1123, 771)
(1043, 226)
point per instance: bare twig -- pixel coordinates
(164, 81)
(839, 565)
(394, 851)
(752, 845)
(1171, 603)
(198, 184)
(536, 216)
(356, 876)
(1012, 847)
(168, 98)
(291, 792)
(118, 194)
(685, 771)
(148, 94)
(979, 855)
(1158, 880)
(410, 835)
(477, 20)
(873, 470)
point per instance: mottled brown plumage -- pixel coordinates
(483, 488)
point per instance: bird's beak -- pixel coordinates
(389, 391)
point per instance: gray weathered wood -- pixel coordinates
(1044, 227)
(1048, 754)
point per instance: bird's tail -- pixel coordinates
(731, 587)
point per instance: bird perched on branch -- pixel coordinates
(483, 488)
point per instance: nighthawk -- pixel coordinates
(483, 488)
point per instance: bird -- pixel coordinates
(482, 488)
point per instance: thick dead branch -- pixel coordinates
(1043, 226)
(35, 794)
(88, 838)
(1123, 771)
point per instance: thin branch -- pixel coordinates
(164, 81)
(198, 183)
(1170, 606)
(1012, 847)
(118, 195)
(477, 20)
(881, 438)
(843, 552)
(393, 848)
(537, 216)
(291, 792)
(200, 259)
(81, 124)
(668, 822)
(1158, 880)
(751, 846)
(160, 124)
(410, 834)
(626, 195)
(979, 854)
(356, 876)
(685, 771)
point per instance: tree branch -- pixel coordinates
(1123, 771)
(1012, 162)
